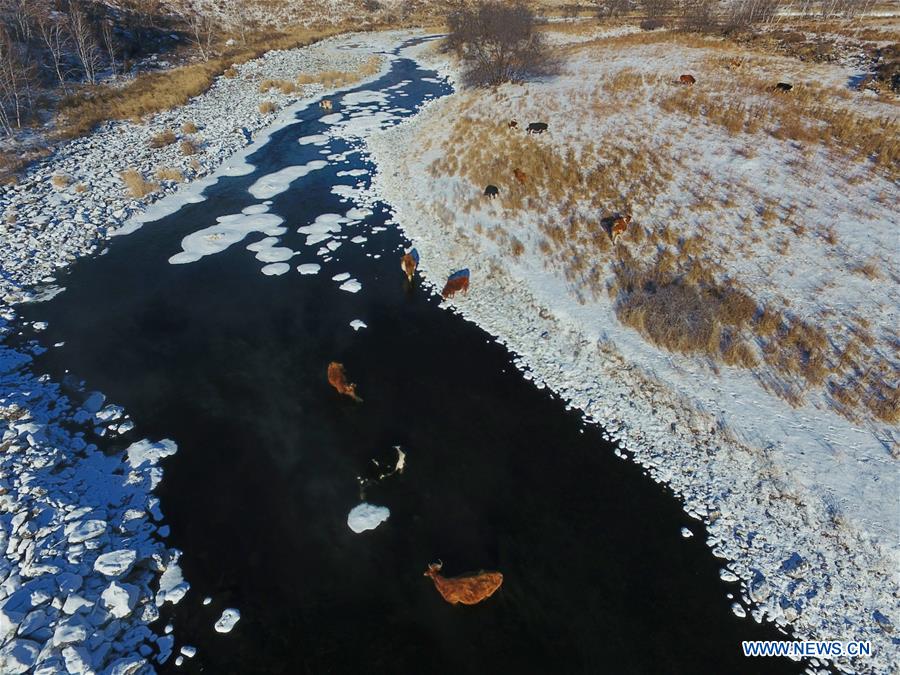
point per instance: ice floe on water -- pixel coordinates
(314, 139)
(227, 621)
(359, 239)
(346, 191)
(357, 213)
(351, 286)
(364, 96)
(309, 268)
(333, 118)
(275, 183)
(216, 238)
(367, 516)
(255, 209)
(343, 276)
(275, 269)
(352, 172)
(356, 324)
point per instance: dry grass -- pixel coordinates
(189, 147)
(266, 107)
(81, 187)
(169, 173)
(189, 128)
(137, 186)
(230, 73)
(163, 139)
(61, 181)
(341, 78)
(153, 92)
(284, 86)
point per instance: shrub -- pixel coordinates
(60, 181)
(230, 73)
(266, 107)
(497, 42)
(137, 186)
(189, 147)
(189, 128)
(169, 173)
(652, 24)
(163, 139)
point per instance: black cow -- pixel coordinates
(783, 86)
(537, 128)
(491, 191)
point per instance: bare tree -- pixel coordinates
(203, 31)
(56, 40)
(749, 12)
(83, 41)
(109, 44)
(610, 9)
(658, 9)
(15, 83)
(21, 15)
(699, 15)
(498, 42)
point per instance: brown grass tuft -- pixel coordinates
(163, 139)
(189, 128)
(137, 186)
(266, 107)
(61, 181)
(189, 147)
(169, 173)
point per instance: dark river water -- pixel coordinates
(231, 364)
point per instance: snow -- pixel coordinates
(343, 276)
(367, 516)
(309, 268)
(172, 585)
(351, 286)
(216, 238)
(147, 452)
(739, 458)
(227, 621)
(356, 324)
(275, 269)
(115, 563)
(119, 599)
(280, 181)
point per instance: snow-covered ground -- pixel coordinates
(84, 566)
(800, 502)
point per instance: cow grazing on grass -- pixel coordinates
(337, 378)
(536, 128)
(512, 124)
(618, 226)
(326, 104)
(491, 191)
(468, 589)
(687, 79)
(409, 262)
(782, 87)
(521, 176)
(458, 281)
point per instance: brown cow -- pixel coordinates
(408, 264)
(521, 176)
(468, 589)
(687, 79)
(512, 124)
(337, 378)
(458, 281)
(326, 104)
(618, 227)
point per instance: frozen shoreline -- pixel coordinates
(85, 565)
(803, 564)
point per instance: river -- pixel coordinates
(231, 364)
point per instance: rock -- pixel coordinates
(119, 599)
(115, 563)
(18, 656)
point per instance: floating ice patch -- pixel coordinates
(216, 238)
(359, 126)
(367, 516)
(255, 209)
(352, 286)
(275, 183)
(333, 245)
(273, 254)
(262, 243)
(686, 533)
(333, 118)
(345, 191)
(314, 139)
(275, 269)
(358, 213)
(172, 585)
(309, 268)
(352, 172)
(239, 167)
(343, 276)
(207, 600)
(147, 452)
(189, 651)
(359, 239)
(115, 563)
(227, 621)
(364, 96)
(356, 324)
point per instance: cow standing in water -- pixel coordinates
(337, 378)
(326, 104)
(409, 262)
(458, 281)
(468, 589)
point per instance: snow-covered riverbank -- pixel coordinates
(812, 557)
(85, 568)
